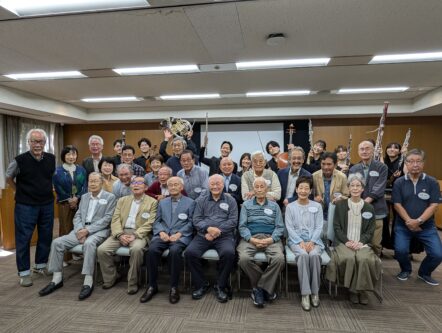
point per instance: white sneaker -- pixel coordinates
(315, 300)
(26, 281)
(65, 264)
(76, 257)
(305, 303)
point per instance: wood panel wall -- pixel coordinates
(426, 134)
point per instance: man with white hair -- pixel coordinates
(30, 176)
(261, 228)
(121, 187)
(96, 144)
(258, 170)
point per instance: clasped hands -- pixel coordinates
(126, 239)
(82, 235)
(354, 245)
(307, 246)
(172, 238)
(413, 225)
(261, 243)
(212, 233)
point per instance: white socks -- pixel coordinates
(57, 277)
(88, 280)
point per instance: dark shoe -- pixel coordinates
(220, 294)
(148, 294)
(229, 292)
(403, 276)
(199, 293)
(258, 297)
(85, 292)
(174, 295)
(108, 286)
(50, 288)
(132, 290)
(269, 297)
(428, 279)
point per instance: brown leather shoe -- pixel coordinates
(174, 295)
(148, 294)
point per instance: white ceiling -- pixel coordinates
(223, 32)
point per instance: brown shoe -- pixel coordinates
(174, 295)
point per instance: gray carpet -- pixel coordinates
(410, 306)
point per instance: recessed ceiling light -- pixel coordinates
(50, 7)
(46, 75)
(371, 90)
(193, 96)
(287, 63)
(277, 93)
(112, 99)
(406, 57)
(157, 70)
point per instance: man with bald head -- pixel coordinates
(215, 219)
(261, 228)
(232, 182)
(375, 174)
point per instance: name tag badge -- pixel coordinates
(197, 189)
(423, 196)
(313, 209)
(367, 215)
(233, 187)
(182, 216)
(224, 206)
(268, 211)
(145, 215)
(268, 182)
(373, 173)
(102, 202)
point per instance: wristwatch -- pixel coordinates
(420, 220)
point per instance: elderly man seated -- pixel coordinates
(261, 228)
(121, 187)
(91, 228)
(131, 225)
(173, 230)
(215, 219)
(159, 189)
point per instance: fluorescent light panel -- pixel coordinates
(371, 90)
(157, 70)
(46, 75)
(277, 93)
(406, 57)
(193, 96)
(50, 7)
(288, 63)
(111, 99)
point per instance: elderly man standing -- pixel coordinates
(95, 147)
(30, 176)
(195, 178)
(258, 170)
(131, 225)
(215, 218)
(261, 228)
(375, 174)
(232, 182)
(173, 230)
(91, 228)
(121, 187)
(416, 197)
(179, 144)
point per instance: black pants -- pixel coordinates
(175, 259)
(224, 245)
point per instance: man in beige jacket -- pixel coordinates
(131, 225)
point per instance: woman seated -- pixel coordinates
(107, 169)
(304, 220)
(353, 263)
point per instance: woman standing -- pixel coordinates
(354, 223)
(342, 153)
(156, 162)
(304, 220)
(245, 163)
(107, 167)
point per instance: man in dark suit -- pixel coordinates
(172, 230)
(232, 182)
(95, 147)
(288, 176)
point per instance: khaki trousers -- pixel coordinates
(377, 237)
(65, 225)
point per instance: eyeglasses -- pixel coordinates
(137, 183)
(37, 142)
(414, 162)
(93, 181)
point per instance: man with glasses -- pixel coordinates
(30, 176)
(127, 156)
(121, 187)
(131, 225)
(416, 197)
(375, 174)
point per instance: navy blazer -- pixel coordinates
(283, 176)
(181, 221)
(234, 188)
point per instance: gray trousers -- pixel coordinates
(309, 269)
(67, 242)
(106, 252)
(259, 278)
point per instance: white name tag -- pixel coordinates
(224, 206)
(233, 187)
(197, 189)
(145, 215)
(423, 196)
(373, 173)
(313, 209)
(102, 202)
(182, 216)
(268, 182)
(367, 215)
(268, 211)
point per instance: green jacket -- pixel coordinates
(340, 222)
